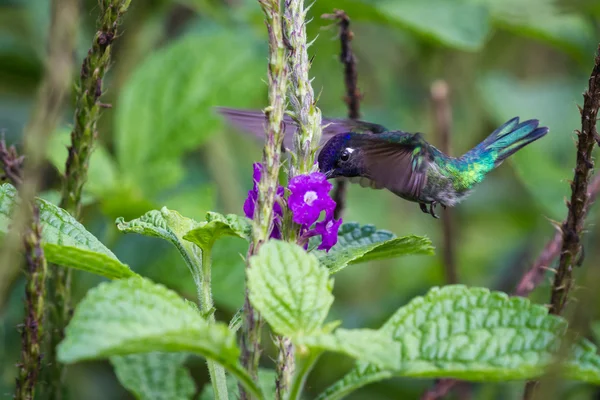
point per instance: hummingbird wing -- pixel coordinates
(253, 121)
(398, 163)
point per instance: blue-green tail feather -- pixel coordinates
(506, 140)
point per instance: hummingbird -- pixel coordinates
(403, 163)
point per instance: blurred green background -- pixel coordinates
(162, 144)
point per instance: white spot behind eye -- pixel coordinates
(350, 150)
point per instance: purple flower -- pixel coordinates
(250, 203)
(328, 229)
(309, 197)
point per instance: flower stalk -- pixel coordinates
(87, 113)
(26, 229)
(216, 371)
(267, 186)
(304, 109)
(353, 95)
(35, 272)
(571, 252)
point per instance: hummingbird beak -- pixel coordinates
(328, 174)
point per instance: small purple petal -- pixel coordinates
(328, 229)
(309, 197)
(250, 204)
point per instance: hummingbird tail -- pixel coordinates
(508, 139)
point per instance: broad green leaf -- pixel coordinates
(66, 242)
(363, 344)
(358, 243)
(546, 21)
(461, 24)
(169, 225)
(157, 122)
(266, 381)
(473, 334)
(155, 376)
(216, 226)
(135, 316)
(544, 166)
(102, 171)
(289, 288)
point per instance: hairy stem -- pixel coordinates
(35, 273)
(216, 372)
(285, 367)
(304, 109)
(83, 135)
(535, 275)
(45, 116)
(572, 227)
(352, 97)
(306, 141)
(267, 187)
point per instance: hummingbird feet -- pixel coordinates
(431, 209)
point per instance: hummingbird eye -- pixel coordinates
(345, 156)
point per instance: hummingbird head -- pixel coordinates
(339, 157)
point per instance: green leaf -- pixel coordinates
(169, 225)
(363, 344)
(546, 21)
(217, 226)
(289, 288)
(473, 334)
(135, 316)
(156, 123)
(461, 24)
(365, 243)
(66, 241)
(266, 381)
(155, 376)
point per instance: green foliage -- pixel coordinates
(217, 226)
(170, 226)
(155, 376)
(293, 293)
(473, 334)
(136, 316)
(289, 288)
(546, 21)
(158, 122)
(66, 242)
(362, 344)
(364, 243)
(463, 25)
(266, 381)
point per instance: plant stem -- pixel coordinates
(216, 371)
(267, 187)
(572, 227)
(304, 364)
(285, 367)
(304, 109)
(45, 116)
(535, 275)
(35, 273)
(87, 112)
(443, 121)
(306, 141)
(353, 95)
